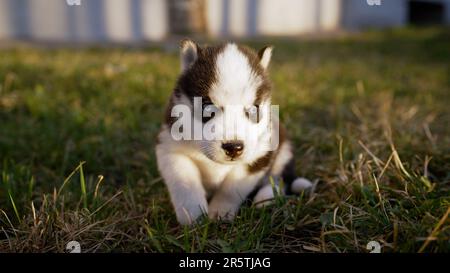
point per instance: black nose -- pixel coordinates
(233, 148)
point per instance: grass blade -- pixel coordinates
(83, 186)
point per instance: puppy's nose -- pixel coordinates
(233, 148)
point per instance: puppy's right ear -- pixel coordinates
(188, 53)
(265, 54)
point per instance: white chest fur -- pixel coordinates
(212, 173)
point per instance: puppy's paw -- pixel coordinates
(221, 211)
(300, 184)
(264, 197)
(188, 215)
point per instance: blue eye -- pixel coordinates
(209, 108)
(253, 113)
(209, 111)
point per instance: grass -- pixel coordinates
(368, 115)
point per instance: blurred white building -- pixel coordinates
(154, 20)
(294, 17)
(91, 21)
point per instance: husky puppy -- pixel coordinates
(214, 176)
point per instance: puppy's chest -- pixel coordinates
(213, 174)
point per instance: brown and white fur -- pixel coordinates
(202, 177)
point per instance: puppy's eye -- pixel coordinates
(209, 111)
(253, 113)
(209, 108)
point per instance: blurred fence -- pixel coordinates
(154, 20)
(92, 21)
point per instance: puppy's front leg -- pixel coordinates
(236, 187)
(183, 180)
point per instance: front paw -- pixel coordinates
(188, 215)
(222, 211)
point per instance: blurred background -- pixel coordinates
(131, 21)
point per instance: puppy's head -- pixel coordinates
(229, 93)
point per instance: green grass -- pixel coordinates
(368, 115)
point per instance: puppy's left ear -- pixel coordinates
(265, 54)
(188, 53)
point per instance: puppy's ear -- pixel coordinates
(265, 54)
(188, 53)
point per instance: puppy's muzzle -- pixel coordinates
(233, 149)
